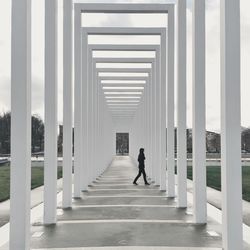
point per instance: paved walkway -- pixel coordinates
(214, 198)
(35, 199)
(115, 214)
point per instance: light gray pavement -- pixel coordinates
(36, 199)
(113, 213)
(116, 215)
(214, 198)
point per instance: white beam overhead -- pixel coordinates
(121, 108)
(123, 78)
(134, 61)
(122, 65)
(123, 70)
(129, 70)
(124, 101)
(116, 82)
(122, 97)
(124, 8)
(121, 74)
(123, 88)
(123, 104)
(123, 93)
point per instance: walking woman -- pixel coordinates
(141, 159)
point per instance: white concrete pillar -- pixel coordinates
(20, 125)
(100, 118)
(95, 125)
(144, 135)
(146, 121)
(67, 103)
(158, 120)
(170, 107)
(78, 104)
(98, 134)
(143, 121)
(149, 144)
(93, 121)
(90, 118)
(101, 132)
(139, 126)
(51, 124)
(199, 113)
(181, 104)
(145, 98)
(84, 110)
(231, 126)
(153, 120)
(155, 82)
(163, 113)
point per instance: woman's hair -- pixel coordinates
(141, 150)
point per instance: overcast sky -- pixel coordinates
(212, 56)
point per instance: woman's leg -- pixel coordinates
(137, 177)
(144, 176)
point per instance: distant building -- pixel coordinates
(213, 142)
(60, 139)
(245, 140)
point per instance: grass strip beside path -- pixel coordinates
(214, 179)
(36, 180)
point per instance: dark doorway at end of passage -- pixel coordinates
(122, 143)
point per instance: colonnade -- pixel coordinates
(94, 126)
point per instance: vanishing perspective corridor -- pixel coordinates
(124, 79)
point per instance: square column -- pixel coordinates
(163, 113)
(20, 125)
(95, 122)
(153, 118)
(147, 143)
(170, 107)
(101, 132)
(231, 126)
(67, 103)
(51, 124)
(199, 113)
(90, 118)
(78, 104)
(98, 135)
(181, 104)
(84, 112)
(158, 122)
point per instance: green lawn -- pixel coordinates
(36, 180)
(214, 179)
